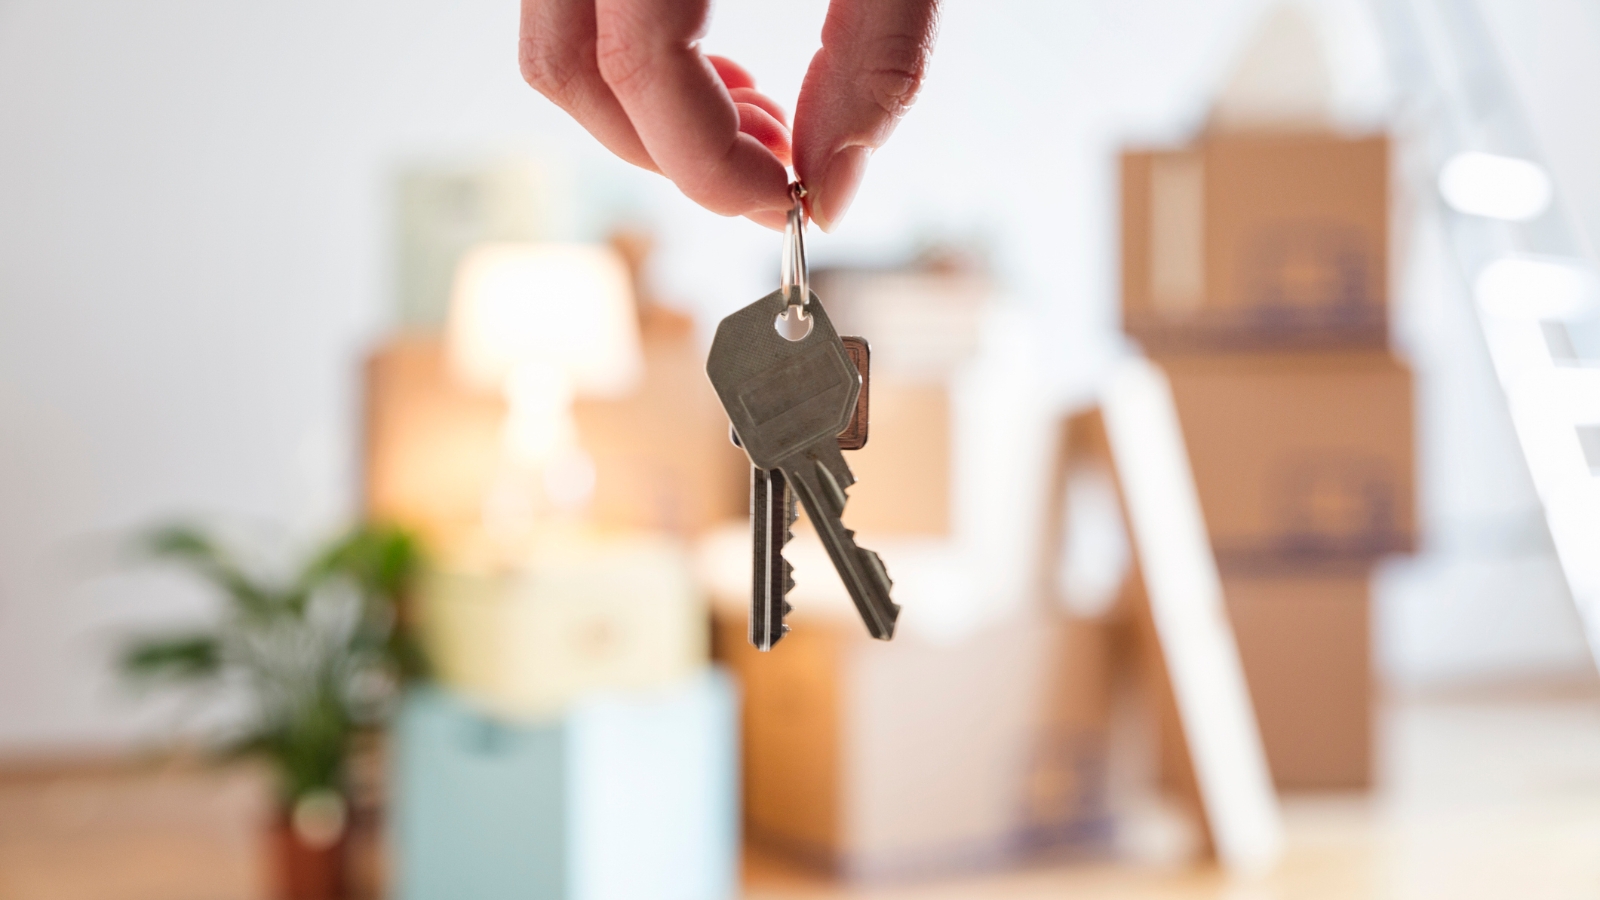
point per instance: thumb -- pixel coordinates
(863, 80)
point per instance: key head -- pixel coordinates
(780, 395)
(854, 436)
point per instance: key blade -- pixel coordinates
(771, 515)
(815, 476)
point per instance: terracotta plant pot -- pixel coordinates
(303, 869)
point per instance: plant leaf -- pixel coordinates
(186, 657)
(381, 559)
(187, 544)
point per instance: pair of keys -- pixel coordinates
(791, 386)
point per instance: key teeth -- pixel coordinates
(835, 492)
(873, 564)
(791, 515)
(876, 567)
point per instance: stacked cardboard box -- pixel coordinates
(1255, 272)
(608, 603)
(576, 743)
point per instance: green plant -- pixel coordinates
(317, 657)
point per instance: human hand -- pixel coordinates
(633, 74)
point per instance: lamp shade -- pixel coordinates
(566, 308)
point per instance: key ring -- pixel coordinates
(796, 281)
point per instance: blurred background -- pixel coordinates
(368, 527)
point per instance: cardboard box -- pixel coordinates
(662, 457)
(903, 474)
(924, 321)
(1305, 642)
(431, 446)
(910, 758)
(1300, 459)
(627, 796)
(1257, 240)
(578, 616)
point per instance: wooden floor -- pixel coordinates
(1480, 799)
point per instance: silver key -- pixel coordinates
(788, 401)
(773, 513)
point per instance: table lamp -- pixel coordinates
(543, 323)
(535, 609)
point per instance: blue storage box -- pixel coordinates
(628, 796)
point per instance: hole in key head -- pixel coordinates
(793, 324)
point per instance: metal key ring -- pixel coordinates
(796, 281)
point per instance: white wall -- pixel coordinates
(1548, 49)
(194, 246)
(192, 253)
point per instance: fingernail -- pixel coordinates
(838, 187)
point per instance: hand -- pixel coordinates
(633, 74)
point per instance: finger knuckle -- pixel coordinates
(623, 56)
(895, 77)
(893, 90)
(549, 67)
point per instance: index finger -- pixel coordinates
(648, 52)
